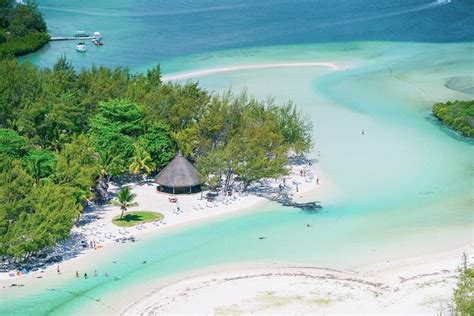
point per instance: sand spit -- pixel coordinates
(207, 72)
(419, 285)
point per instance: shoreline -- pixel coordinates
(424, 284)
(100, 228)
(212, 71)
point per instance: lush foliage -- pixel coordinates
(464, 291)
(458, 115)
(22, 28)
(35, 211)
(136, 217)
(241, 136)
(64, 134)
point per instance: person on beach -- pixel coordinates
(301, 172)
(77, 274)
(297, 188)
(92, 245)
(59, 270)
(85, 275)
(95, 273)
(317, 181)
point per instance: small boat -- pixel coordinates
(81, 47)
(97, 36)
(81, 34)
(96, 42)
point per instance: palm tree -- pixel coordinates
(124, 200)
(141, 161)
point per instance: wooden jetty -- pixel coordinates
(70, 38)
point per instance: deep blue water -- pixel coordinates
(144, 32)
(381, 211)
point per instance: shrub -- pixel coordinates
(17, 46)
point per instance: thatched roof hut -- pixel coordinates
(179, 176)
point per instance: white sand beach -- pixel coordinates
(421, 285)
(96, 223)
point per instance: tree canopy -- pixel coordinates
(22, 28)
(458, 115)
(64, 134)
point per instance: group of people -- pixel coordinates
(95, 274)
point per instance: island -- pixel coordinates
(22, 28)
(458, 115)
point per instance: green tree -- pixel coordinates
(158, 143)
(125, 115)
(40, 164)
(257, 152)
(6, 9)
(464, 291)
(26, 18)
(295, 128)
(458, 115)
(141, 161)
(12, 144)
(125, 199)
(77, 165)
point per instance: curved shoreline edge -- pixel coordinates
(376, 288)
(211, 71)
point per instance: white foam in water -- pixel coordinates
(431, 5)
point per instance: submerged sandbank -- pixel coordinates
(212, 71)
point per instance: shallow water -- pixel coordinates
(402, 189)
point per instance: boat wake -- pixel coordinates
(125, 13)
(423, 7)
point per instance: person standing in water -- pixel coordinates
(363, 132)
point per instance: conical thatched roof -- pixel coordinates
(178, 173)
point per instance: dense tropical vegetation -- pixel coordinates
(459, 115)
(464, 291)
(22, 28)
(64, 134)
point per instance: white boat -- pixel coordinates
(81, 47)
(97, 36)
(81, 34)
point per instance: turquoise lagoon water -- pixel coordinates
(403, 189)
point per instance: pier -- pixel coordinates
(70, 38)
